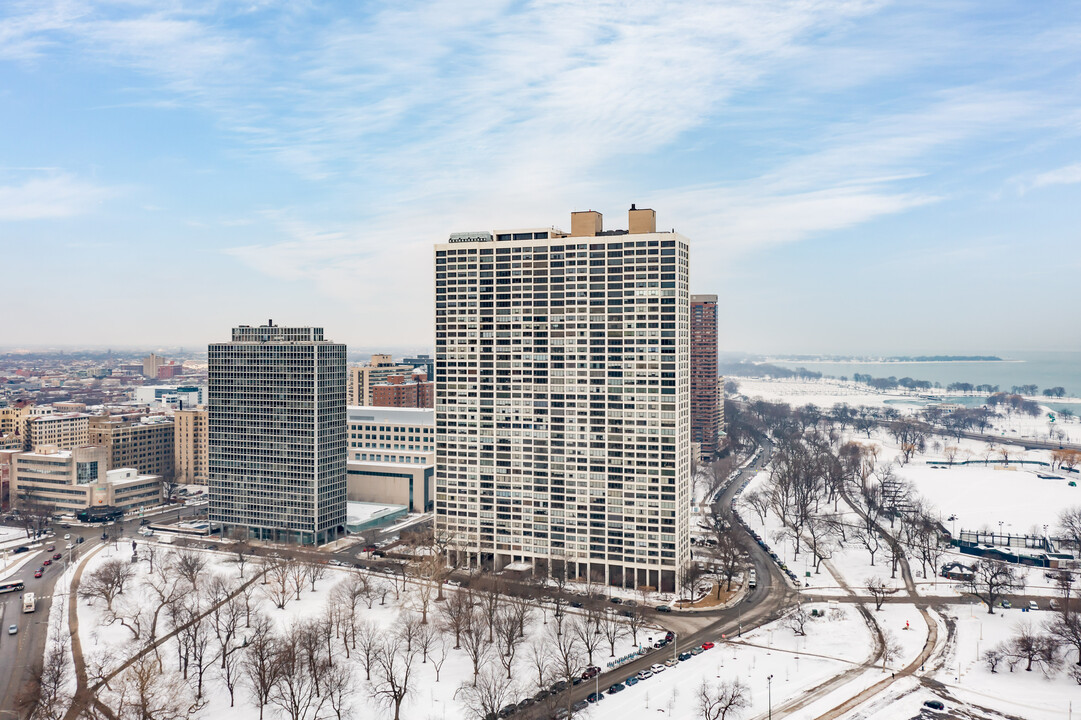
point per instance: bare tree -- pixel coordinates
(891, 648)
(300, 672)
(1033, 647)
(369, 641)
(612, 629)
(297, 575)
(797, 620)
(587, 629)
(425, 640)
(491, 597)
(507, 638)
(279, 587)
(143, 692)
(487, 696)
(258, 661)
(189, 565)
(455, 612)
(993, 657)
(314, 571)
(347, 596)
(408, 628)
(339, 687)
(879, 590)
(394, 665)
(438, 653)
(723, 701)
(1066, 629)
(474, 640)
(107, 581)
(992, 579)
(567, 659)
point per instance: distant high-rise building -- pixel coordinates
(151, 364)
(705, 400)
(405, 391)
(191, 451)
(362, 378)
(425, 361)
(277, 434)
(563, 400)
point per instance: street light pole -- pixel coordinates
(769, 695)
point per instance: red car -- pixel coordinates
(50, 548)
(707, 646)
(57, 556)
(38, 572)
(47, 562)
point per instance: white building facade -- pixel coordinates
(563, 400)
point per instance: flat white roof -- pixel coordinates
(358, 512)
(401, 416)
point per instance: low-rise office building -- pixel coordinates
(72, 480)
(391, 456)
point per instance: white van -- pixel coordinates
(752, 579)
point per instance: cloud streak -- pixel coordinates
(57, 195)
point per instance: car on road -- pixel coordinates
(12, 629)
(57, 556)
(591, 672)
(934, 705)
(616, 601)
(104, 536)
(618, 687)
(78, 539)
(664, 609)
(67, 536)
(1006, 604)
(632, 680)
(658, 668)
(594, 697)
(707, 646)
(1033, 605)
(46, 562)
(1053, 604)
(20, 549)
(645, 675)
(50, 548)
(39, 572)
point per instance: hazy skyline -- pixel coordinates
(854, 177)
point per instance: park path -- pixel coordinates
(87, 695)
(928, 645)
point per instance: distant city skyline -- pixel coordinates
(854, 177)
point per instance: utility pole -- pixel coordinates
(769, 695)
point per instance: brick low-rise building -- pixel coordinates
(397, 391)
(146, 444)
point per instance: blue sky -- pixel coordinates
(855, 176)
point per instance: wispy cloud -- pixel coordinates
(1068, 175)
(53, 196)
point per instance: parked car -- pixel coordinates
(671, 662)
(526, 703)
(664, 609)
(594, 697)
(695, 651)
(559, 687)
(657, 668)
(934, 705)
(579, 706)
(645, 675)
(707, 646)
(616, 601)
(1053, 604)
(20, 549)
(1006, 604)
(1033, 605)
(541, 695)
(632, 680)
(618, 687)
(508, 710)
